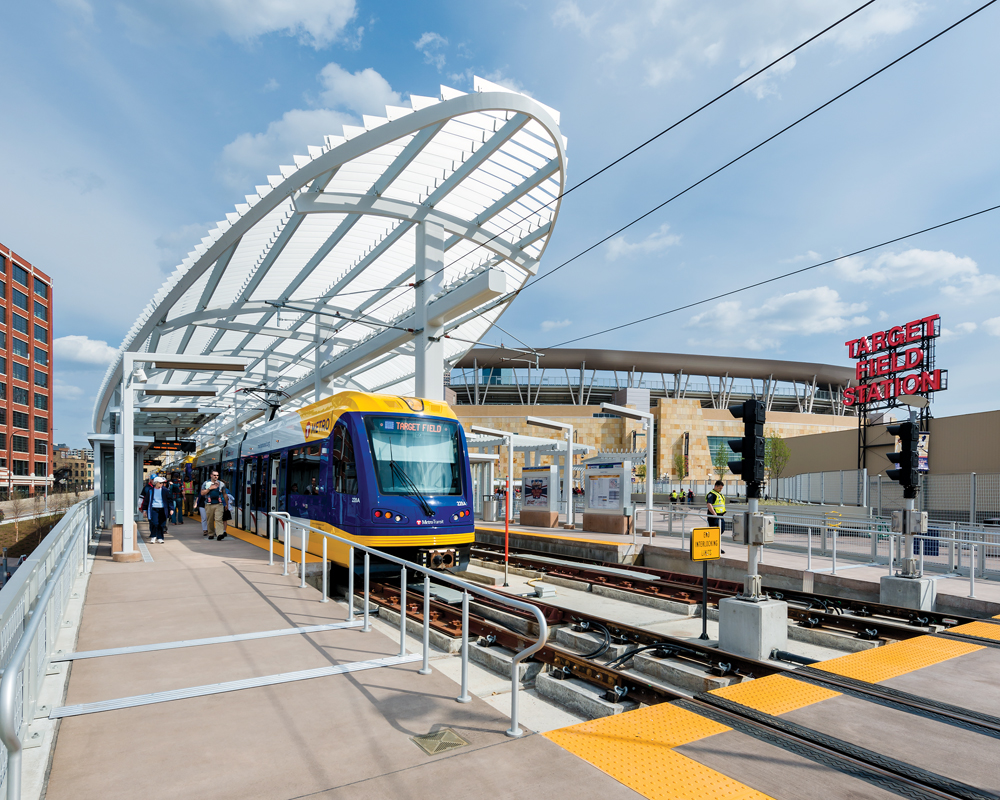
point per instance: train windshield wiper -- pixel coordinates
(411, 487)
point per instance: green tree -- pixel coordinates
(640, 472)
(720, 462)
(679, 470)
(776, 455)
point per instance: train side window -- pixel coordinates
(345, 469)
(303, 470)
(282, 475)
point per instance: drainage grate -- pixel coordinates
(439, 742)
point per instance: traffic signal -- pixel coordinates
(750, 467)
(906, 474)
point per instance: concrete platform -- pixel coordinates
(343, 736)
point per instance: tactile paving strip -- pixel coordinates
(636, 749)
(775, 694)
(898, 658)
(983, 630)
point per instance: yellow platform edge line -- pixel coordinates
(984, 630)
(636, 749)
(898, 658)
(775, 694)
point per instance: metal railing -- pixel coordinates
(289, 526)
(31, 608)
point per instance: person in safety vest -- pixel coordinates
(716, 506)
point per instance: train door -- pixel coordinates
(250, 477)
(265, 491)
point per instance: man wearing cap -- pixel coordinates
(216, 499)
(157, 505)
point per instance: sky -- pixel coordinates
(130, 127)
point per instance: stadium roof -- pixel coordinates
(315, 273)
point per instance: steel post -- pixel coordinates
(972, 572)
(464, 697)
(367, 626)
(809, 549)
(426, 668)
(834, 567)
(402, 611)
(326, 575)
(270, 540)
(286, 544)
(350, 584)
(305, 539)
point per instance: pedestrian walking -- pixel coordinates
(690, 497)
(189, 495)
(202, 512)
(157, 505)
(177, 498)
(716, 507)
(216, 499)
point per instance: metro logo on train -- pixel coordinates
(883, 357)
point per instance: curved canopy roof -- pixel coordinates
(316, 269)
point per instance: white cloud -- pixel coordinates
(66, 392)
(961, 329)
(992, 326)
(568, 14)
(882, 316)
(363, 92)
(251, 156)
(802, 313)
(83, 350)
(900, 271)
(620, 247)
(551, 325)
(431, 44)
(271, 85)
(317, 23)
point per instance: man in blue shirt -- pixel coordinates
(216, 499)
(156, 503)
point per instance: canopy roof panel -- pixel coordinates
(320, 261)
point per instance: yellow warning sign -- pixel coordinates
(706, 544)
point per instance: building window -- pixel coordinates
(20, 419)
(20, 372)
(41, 469)
(41, 402)
(19, 347)
(20, 274)
(20, 467)
(40, 447)
(717, 443)
(41, 426)
(41, 379)
(41, 357)
(41, 289)
(3, 388)
(41, 311)
(41, 335)
(3, 265)
(3, 443)
(3, 290)
(19, 323)
(20, 298)
(20, 396)
(19, 444)
(3, 462)
(3, 416)
(3, 366)
(3, 340)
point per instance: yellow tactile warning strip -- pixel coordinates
(985, 630)
(898, 658)
(279, 548)
(636, 749)
(775, 694)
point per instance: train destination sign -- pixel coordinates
(706, 544)
(894, 362)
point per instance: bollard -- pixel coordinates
(426, 668)
(464, 697)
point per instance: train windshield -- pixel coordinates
(416, 453)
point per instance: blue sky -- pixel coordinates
(130, 127)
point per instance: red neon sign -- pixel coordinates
(883, 358)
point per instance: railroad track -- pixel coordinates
(619, 684)
(866, 620)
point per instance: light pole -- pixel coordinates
(647, 423)
(568, 471)
(508, 438)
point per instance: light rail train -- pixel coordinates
(383, 471)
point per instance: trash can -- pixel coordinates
(490, 509)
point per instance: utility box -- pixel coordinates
(909, 522)
(758, 525)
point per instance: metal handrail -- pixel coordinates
(543, 630)
(81, 519)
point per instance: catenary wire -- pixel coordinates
(777, 277)
(629, 153)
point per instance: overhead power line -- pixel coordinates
(756, 147)
(775, 278)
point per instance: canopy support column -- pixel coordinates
(429, 342)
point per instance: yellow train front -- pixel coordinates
(383, 471)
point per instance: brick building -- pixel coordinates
(26, 372)
(72, 469)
